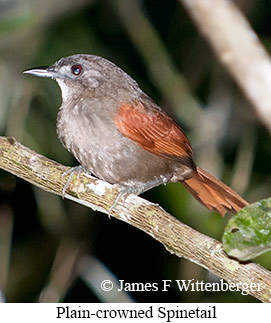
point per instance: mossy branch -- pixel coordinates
(177, 237)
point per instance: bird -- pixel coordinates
(119, 134)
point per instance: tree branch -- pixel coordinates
(177, 237)
(238, 48)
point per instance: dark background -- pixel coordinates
(46, 241)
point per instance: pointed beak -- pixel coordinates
(44, 71)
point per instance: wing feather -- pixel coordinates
(153, 130)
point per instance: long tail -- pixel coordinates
(214, 194)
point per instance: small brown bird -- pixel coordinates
(120, 135)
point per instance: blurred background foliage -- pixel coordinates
(55, 250)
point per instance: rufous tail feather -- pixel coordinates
(214, 194)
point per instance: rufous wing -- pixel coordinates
(153, 130)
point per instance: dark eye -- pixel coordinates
(76, 69)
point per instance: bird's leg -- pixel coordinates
(71, 171)
(137, 190)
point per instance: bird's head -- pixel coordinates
(88, 73)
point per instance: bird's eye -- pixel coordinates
(76, 69)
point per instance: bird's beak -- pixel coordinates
(44, 71)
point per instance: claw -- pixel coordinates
(71, 171)
(122, 195)
(137, 190)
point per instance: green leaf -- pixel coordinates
(248, 233)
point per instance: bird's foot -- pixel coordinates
(77, 170)
(137, 190)
(121, 196)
